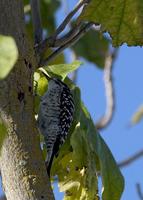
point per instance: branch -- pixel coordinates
(110, 99)
(131, 159)
(60, 41)
(68, 44)
(68, 18)
(54, 41)
(139, 192)
(36, 18)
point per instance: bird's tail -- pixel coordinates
(51, 154)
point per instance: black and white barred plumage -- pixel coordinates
(55, 117)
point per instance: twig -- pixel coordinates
(139, 192)
(68, 44)
(36, 18)
(131, 159)
(110, 100)
(68, 18)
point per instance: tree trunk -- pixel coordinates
(22, 166)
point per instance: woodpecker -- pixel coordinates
(55, 117)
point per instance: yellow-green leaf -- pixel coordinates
(8, 55)
(63, 69)
(42, 86)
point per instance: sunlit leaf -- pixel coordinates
(63, 69)
(36, 76)
(27, 8)
(8, 55)
(123, 19)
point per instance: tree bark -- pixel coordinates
(22, 166)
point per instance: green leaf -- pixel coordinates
(112, 179)
(8, 55)
(93, 47)
(42, 86)
(40, 83)
(123, 19)
(63, 69)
